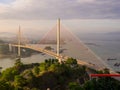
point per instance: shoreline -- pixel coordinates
(3, 56)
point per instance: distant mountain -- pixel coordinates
(6, 34)
(114, 33)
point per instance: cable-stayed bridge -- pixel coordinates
(62, 41)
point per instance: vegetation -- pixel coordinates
(54, 75)
(48, 48)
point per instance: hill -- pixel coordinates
(51, 74)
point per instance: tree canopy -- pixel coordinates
(54, 75)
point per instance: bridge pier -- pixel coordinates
(13, 49)
(10, 48)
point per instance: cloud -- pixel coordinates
(85, 1)
(65, 9)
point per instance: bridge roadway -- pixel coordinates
(50, 53)
(38, 49)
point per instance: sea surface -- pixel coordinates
(104, 45)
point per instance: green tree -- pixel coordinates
(19, 81)
(0, 70)
(36, 70)
(53, 67)
(5, 85)
(43, 67)
(106, 71)
(71, 61)
(9, 74)
(18, 63)
(89, 85)
(74, 86)
(48, 48)
(30, 78)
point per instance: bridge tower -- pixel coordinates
(19, 42)
(58, 39)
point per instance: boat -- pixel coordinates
(111, 59)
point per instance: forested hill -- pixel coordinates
(55, 76)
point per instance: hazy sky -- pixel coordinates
(76, 15)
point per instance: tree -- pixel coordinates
(74, 86)
(18, 63)
(53, 67)
(71, 61)
(9, 74)
(48, 48)
(89, 85)
(5, 85)
(106, 71)
(43, 67)
(19, 81)
(36, 70)
(0, 70)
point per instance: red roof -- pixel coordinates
(104, 75)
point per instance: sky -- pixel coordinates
(76, 15)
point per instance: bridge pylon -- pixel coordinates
(19, 42)
(58, 39)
